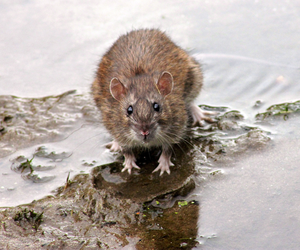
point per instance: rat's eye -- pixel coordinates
(130, 110)
(156, 107)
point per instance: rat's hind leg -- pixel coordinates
(114, 146)
(199, 114)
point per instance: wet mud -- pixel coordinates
(105, 208)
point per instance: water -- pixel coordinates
(249, 51)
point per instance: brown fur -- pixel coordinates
(138, 59)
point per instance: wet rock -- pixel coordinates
(142, 185)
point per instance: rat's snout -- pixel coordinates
(145, 132)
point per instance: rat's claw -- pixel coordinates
(129, 163)
(164, 164)
(162, 169)
(200, 115)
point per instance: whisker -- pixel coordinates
(171, 144)
(163, 140)
(179, 137)
(169, 134)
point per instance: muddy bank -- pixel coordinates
(105, 208)
(30, 121)
(81, 216)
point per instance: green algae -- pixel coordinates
(283, 110)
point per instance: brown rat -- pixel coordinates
(144, 88)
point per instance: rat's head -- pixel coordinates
(142, 103)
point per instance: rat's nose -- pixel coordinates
(145, 132)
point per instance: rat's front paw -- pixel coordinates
(164, 164)
(129, 163)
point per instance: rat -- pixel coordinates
(144, 87)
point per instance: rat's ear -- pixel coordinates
(117, 89)
(165, 83)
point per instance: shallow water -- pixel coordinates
(249, 52)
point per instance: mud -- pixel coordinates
(30, 121)
(105, 208)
